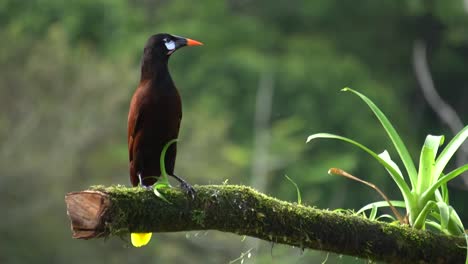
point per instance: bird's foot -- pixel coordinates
(146, 187)
(188, 189)
(185, 186)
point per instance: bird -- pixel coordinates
(155, 113)
(154, 118)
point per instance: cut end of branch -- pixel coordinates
(85, 210)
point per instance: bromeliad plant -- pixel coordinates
(426, 199)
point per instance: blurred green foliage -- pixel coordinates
(68, 69)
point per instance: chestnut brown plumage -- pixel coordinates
(155, 113)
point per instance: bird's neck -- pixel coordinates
(156, 71)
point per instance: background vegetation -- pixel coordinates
(68, 69)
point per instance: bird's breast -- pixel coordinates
(162, 117)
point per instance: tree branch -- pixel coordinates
(102, 212)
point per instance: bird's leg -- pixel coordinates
(185, 186)
(141, 182)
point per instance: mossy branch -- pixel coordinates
(101, 212)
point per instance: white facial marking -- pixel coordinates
(170, 45)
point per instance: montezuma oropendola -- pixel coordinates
(155, 113)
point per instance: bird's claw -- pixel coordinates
(147, 187)
(188, 189)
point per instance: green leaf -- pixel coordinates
(395, 203)
(433, 224)
(438, 196)
(455, 225)
(164, 181)
(426, 175)
(385, 156)
(450, 150)
(444, 212)
(421, 217)
(299, 199)
(373, 213)
(450, 223)
(405, 191)
(466, 245)
(393, 135)
(445, 193)
(443, 180)
(160, 195)
(393, 219)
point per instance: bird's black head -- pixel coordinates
(161, 46)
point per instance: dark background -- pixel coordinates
(68, 69)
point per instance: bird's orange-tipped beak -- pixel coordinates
(191, 42)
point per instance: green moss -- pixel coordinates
(245, 211)
(198, 216)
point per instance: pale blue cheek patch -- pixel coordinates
(170, 45)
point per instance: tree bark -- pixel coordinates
(102, 212)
